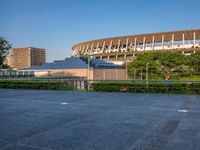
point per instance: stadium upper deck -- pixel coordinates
(127, 46)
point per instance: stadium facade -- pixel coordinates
(127, 47)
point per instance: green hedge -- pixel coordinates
(35, 84)
(150, 87)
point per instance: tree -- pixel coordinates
(194, 62)
(167, 65)
(4, 49)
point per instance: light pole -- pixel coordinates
(88, 68)
(134, 74)
(147, 67)
(88, 73)
(126, 71)
(104, 74)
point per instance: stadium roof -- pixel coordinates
(178, 35)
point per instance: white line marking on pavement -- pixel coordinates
(182, 110)
(64, 103)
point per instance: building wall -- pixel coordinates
(62, 72)
(26, 57)
(94, 74)
(38, 56)
(20, 58)
(109, 74)
(70, 73)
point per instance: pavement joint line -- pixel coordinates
(10, 143)
(41, 148)
(5, 141)
(139, 143)
(165, 134)
(47, 130)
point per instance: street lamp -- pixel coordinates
(88, 72)
(126, 71)
(147, 67)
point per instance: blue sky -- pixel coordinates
(58, 24)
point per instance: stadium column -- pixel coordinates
(126, 44)
(194, 36)
(172, 40)
(153, 41)
(183, 42)
(91, 48)
(80, 49)
(163, 37)
(135, 44)
(97, 47)
(75, 51)
(110, 47)
(87, 47)
(118, 46)
(131, 45)
(144, 40)
(103, 45)
(83, 48)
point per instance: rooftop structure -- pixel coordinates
(75, 63)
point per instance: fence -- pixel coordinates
(14, 74)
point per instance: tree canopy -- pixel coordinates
(163, 64)
(4, 49)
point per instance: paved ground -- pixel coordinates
(60, 120)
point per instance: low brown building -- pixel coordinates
(19, 58)
(92, 69)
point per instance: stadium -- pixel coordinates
(125, 48)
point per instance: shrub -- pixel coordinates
(150, 87)
(35, 84)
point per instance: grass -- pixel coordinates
(194, 77)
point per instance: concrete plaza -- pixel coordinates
(65, 120)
